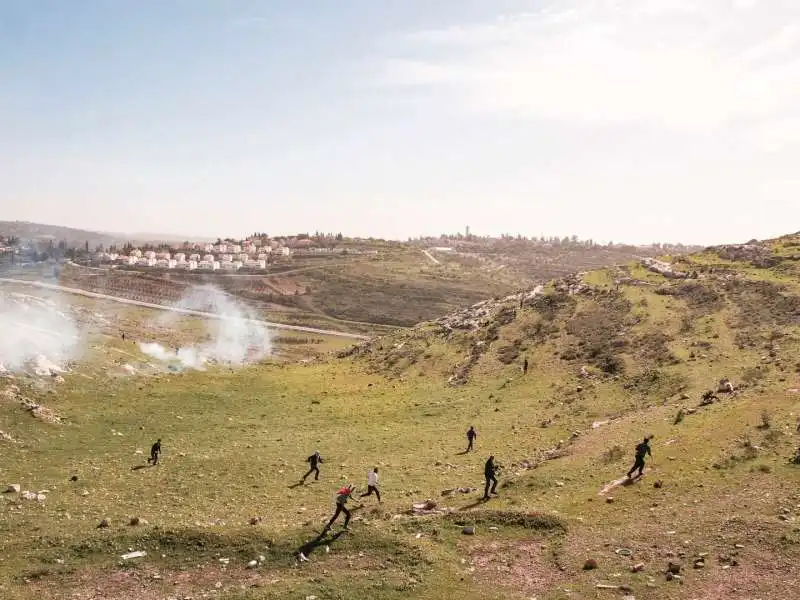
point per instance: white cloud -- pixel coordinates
(685, 65)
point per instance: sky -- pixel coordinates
(626, 120)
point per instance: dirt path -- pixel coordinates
(622, 481)
(185, 311)
(434, 260)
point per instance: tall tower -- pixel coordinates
(467, 232)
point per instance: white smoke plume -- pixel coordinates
(37, 335)
(235, 335)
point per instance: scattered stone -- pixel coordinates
(658, 484)
(725, 386)
(74, 478)
(699, 563)
(130, 555)
(606, 586)
(255, 520)
(468, 531)
(609, 500)
(134, 521)
(14, 488)
(590, 564)
(624, 551)
(103, 524)
(673, 568)
(252, 564)
(637, 567)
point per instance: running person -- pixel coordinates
(372, 485)
(313, 462)
(342, 496)
(642, 450)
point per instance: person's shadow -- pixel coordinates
(462, 453)
(475, 504)
(140, 467)
(322, 539)
(297, 485)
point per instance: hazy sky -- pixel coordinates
(631, 120)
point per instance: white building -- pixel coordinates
(163, 256)
(195, 257)
(206, 265)
(255, 264)
(242, 256)
(286, 251)
(137, 253)
(208, 248)
(208, 258)
(192, 265)
(146, 262)
(236, 249)
(226, 258)
(180, 257)
(131, 260)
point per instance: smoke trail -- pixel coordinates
(36, 334)
(236, 337)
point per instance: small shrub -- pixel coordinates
(766, 420)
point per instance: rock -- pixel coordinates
(14, 488)
(725, 386)
(590, 564)
(74, 478)
(609, 500)
(134, 521)
(252, 564)
(699, 563)
(103, 524)
(673, 568)
(637, 567)
(658, 484)
(468, 531)
(255, 520)
(130, 555)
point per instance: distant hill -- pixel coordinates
(31, 231)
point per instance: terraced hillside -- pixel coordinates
(701, 352)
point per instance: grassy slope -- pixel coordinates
(234, 442)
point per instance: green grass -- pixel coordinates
(234, 443)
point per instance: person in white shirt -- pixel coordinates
(372, 484)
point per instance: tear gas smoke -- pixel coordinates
(236, 336)
(36, 334)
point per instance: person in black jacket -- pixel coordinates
(642, 450)
(155, 450)
(471, 436)
(490, 474)
(313, 461)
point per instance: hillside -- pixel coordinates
(397, 286)
(78, 237)
(700, 351)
